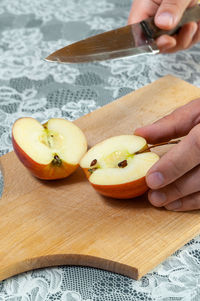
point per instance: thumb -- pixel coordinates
(141, 10)
(170, 13)
(175, 125)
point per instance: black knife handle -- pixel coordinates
(152, 31)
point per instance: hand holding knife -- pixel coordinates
(167, 14)
(131, 40)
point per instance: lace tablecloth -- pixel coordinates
(29, 31)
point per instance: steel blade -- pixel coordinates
(122, 42)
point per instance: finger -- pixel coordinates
(188, 203)
(196, 37)
(185, 38)
(174, 125)
(178, 161)
(165, 43)
(184, 186)
(170, 13)
(141, 10)
(186, 35)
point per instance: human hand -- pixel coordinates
(167, 15)
(175, 179)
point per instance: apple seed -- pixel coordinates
(56, 161)
(94, 162)
(123, 164)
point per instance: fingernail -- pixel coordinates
(165, 19)
(155, 180)
(174, 205)
(158, 198)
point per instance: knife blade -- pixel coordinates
(131, 40)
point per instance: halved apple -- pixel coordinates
(50, 151)
(114, 168)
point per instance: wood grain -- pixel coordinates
(66, 222)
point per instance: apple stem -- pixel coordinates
(158, 144)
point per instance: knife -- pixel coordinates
(131, 40)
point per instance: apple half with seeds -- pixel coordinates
(50, 151)
(116, 167)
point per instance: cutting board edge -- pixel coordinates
(142, 272)
(80, 260)
(83, 260)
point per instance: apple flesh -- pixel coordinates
(115, 170)
(50, 151)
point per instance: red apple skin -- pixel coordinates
(121, 191)
(43, 171)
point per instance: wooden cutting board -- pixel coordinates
(66, 222)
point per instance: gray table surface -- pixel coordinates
(29, 31)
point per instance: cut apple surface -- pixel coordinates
(115, 170)
(50, 151)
